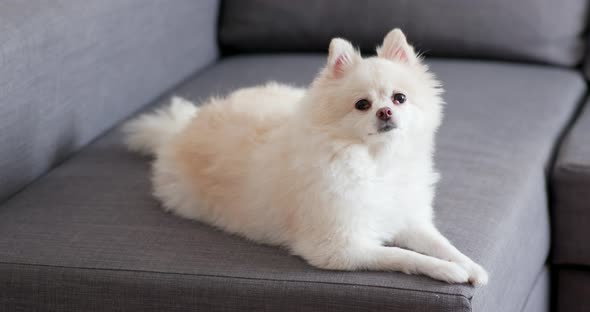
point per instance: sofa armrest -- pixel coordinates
(571, 195)
(71, 69)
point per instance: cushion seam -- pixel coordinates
(238, 277)
(574, 168)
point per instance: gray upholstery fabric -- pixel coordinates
(91, 224)
(538, 299)
(75, 289)
(71, 69)
(571, 187)
(526, 30)
(573, 290)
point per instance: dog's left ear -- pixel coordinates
(342, 56)
(396, 48)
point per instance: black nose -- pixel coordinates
(384, 113)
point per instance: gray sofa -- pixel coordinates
(80, 231)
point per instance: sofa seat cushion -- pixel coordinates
(571, 187)
(91, 227)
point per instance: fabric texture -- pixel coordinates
(91, 225)
(573, 290)
(524, 30)
(571, 188)
(69, 70)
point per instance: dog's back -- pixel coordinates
(203, 157)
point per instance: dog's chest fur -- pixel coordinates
(358, 191)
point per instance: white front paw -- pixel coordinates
(449, 272)
(477, 275)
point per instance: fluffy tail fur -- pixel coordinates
(147, 133)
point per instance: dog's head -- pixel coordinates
(376, 99)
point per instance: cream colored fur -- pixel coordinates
(304, 169)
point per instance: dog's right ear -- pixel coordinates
(341, 58)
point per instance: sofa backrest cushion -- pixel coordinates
(70, 69)
(541, 31)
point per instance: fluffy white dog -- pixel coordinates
(340, 173)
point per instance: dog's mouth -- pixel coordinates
(386, 126)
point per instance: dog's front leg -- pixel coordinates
(373, 256)
(426, 239)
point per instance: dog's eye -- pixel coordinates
(363, 104)
(399, 98)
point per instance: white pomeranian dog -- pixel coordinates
(340, 173)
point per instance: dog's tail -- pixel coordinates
(147, 133)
